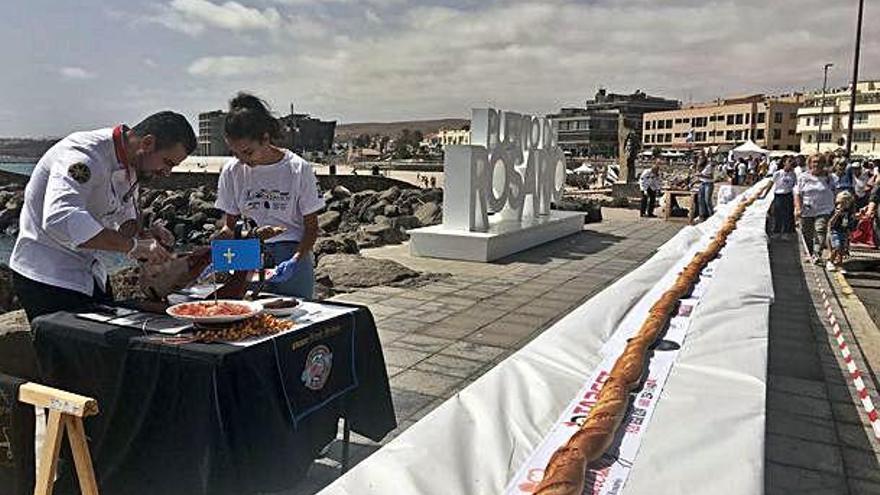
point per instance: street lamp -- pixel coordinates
(822, 106)
(855, 79)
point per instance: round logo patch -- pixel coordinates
(79, 172)
(317, 368)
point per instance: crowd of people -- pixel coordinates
(833, 199)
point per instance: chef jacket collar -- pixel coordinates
(119, 134)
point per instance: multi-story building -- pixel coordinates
(300, 133)
(447, 137)
(584, 132)
(211, 140)
(303, 134)
(769, 121)
(835, 120)
(592, 130)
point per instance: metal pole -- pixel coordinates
(855, 80)
(822, 107)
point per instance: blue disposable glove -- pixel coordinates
(284, 271)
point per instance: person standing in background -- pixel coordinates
(814, 204)
(706, 176)
(649, 183)
(783, 199)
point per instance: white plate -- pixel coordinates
(254, 307)
(279, 311)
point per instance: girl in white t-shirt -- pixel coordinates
(271, 186)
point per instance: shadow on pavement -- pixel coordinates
(574, 247)
(816, 438)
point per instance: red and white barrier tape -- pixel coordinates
(851, 367)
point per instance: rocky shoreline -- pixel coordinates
(350, 222)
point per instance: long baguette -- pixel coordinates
(565, 473)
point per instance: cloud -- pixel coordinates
(236, 66)
(194, 17)
(75, 73)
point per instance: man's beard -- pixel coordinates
(143, 176)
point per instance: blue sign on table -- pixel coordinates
(241, 254)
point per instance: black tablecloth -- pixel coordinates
(16, 440)
(216, 418)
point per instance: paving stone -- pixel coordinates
(534, 321)
(848, 413)
(421, 295)
(429, 317)
(798, 386)
(384, 290)
(446, 331)
(428, 408)
(501, 335)
(403, 357)
(381, 310)
(423, 343)
(863, 487)
(507, 304)
(801, 453)
(537, 309)
(475, 352)
(803, 427)
(403, 325)
(476, 295)
(449, 365)
(799, 404)
(847, 394)
(393, 370)
(424, 383)
(479, 315)
(457, 302)
(440, 289)
(857, 437)
(407, 402)
(388, 336)
(403, 302)
(862, 464)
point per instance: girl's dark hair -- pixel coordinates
(249, 118)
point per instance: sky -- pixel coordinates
(84, 64)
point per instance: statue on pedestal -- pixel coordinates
(628, 150)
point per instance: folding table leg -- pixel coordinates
(49, 455)
(76, 433)
(346, 442)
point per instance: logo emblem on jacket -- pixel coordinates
(79, 172)
(317, 367)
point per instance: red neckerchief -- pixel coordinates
(119, 133)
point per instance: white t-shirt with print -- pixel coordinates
(817, 194)
(279, 194)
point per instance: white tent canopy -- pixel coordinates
(748, 149)
(781, 153)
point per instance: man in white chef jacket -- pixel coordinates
(82, 198)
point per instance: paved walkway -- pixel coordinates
(817, 438)
(440, 337)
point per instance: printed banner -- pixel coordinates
(608, 475)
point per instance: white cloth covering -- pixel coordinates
(707, 435)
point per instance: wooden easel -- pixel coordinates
(66, 411)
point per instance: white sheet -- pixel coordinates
(707, 435)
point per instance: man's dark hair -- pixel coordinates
(169, 128)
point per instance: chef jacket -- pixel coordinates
(81, 186)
